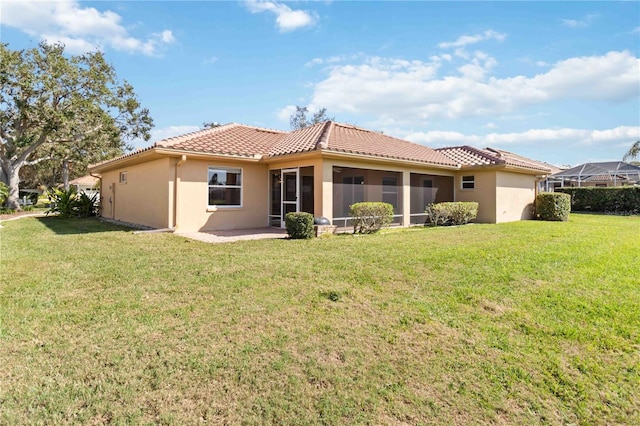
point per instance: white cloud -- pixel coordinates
(286, 18)
(396, 91)
(558, 137)
(210, 60)
(472, 39)
(80, 28)
(490, 125)
(579, 23)
(283, 114)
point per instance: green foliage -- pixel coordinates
(63, 202)
(61, 107)
(634, 151)
(621, 199)
(369, 217)
(553, 206)
(87, 206)
(299, 225)
(4, 192)
(68, 203)
(451, 213)
(299, 120)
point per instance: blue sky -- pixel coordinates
(555, 81)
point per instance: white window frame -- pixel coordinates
(122, 178)
(225, 169)
(470, 182)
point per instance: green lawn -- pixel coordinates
(520, 323)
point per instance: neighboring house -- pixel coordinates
(236, 176)
(611, 173)
(87, 184)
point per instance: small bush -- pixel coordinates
(299, 225)
(87, 206)
(370, 217)
(451, 213)
(553, 206)
(620, 199)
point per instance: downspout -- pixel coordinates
(176, 192)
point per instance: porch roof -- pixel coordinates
(469, 156)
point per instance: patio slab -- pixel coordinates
(235, 235)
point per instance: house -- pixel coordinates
(604, 174)
(87, 184)
(237, 177)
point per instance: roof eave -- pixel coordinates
(374, 158)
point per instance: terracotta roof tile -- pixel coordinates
(351, 139)
(469, 156)
(230, 139)
(300, 140)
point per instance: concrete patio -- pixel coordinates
(235, 235)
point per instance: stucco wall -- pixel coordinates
(144, 198)
(484, 193)
(515, 196)
(192, 211)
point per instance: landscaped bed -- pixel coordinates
(520, 323)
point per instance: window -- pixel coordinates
(123, 177)
(225, 187)
(468, 182)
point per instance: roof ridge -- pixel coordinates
(323, 140)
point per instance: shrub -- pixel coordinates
(553, 206)
(624, 199)
(299, 225)
(87, 206)
(451, 213)
(370, 217)
(63, 202)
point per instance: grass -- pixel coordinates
(519, 323)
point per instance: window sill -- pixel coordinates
(211, 209)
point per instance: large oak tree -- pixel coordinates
(65, 108)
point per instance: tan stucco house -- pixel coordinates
(239, 177)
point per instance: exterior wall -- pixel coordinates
(484, 193)
(192, 211)
(144, 198)
(515, 195)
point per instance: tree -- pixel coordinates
(210, 125)
(634, 152)
(64, 108)
(299, 120)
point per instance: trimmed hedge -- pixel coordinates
(620, 199)
(299, 225)
(370, 217)
(451, 213)
(553, 206)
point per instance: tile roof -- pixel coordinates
(230, 139)
(248, 141)
(354, 140)
(86, 180)
(469, 156)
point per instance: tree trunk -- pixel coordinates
(11, 176)
(65, 174)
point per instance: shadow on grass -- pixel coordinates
(79, 226)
